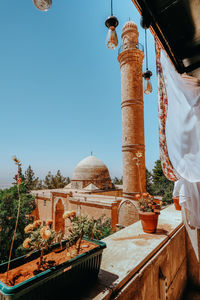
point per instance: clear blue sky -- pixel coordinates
(60, 87)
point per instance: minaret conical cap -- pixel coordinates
(129, 25)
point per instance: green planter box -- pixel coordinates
(57, 280)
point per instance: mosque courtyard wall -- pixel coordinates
(55, 202)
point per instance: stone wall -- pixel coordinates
(93, 210)
(96, 210)
(141, 266)
(44, 208)
(52, 207)
(163, 277)
(115, 193)
(127, 213)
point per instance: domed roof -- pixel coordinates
(90, 168)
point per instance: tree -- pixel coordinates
(31, 182)
(39, 185)
(149, 182)
(8, 213)
(161, 185)
(55, 181)
(116, 180)
(47, 183)
(61, 181)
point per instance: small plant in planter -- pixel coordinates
(149, 209)
(54, 266)
(44, 271)
(80, 226)
(40, 238)
(147, 203)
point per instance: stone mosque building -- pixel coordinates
(91, 191)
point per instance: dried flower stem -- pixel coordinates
(139, 174)
(137, 158)
(79, 243)
(18, 211)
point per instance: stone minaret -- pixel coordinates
(130, 59)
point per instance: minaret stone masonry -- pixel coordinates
(131, 59)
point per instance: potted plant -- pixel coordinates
(149, 211)
(50, 266)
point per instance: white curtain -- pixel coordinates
(183, 136)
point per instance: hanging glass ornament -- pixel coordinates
(42, 4)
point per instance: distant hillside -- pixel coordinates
(5, 186)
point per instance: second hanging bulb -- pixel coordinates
(111, 39)
(43, 4)
(147, 86)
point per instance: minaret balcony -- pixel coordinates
(130, 46)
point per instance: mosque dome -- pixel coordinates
(91, 170)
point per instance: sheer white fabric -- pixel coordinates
(183, 136)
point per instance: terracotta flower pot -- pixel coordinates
(149, 221)
(176, 203)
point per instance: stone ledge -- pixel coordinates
(128, 250)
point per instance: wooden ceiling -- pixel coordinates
(177, 25)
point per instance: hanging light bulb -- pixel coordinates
(43, 4)
(111, 23)
(111, 40)
(147, 74)
(147, 82)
